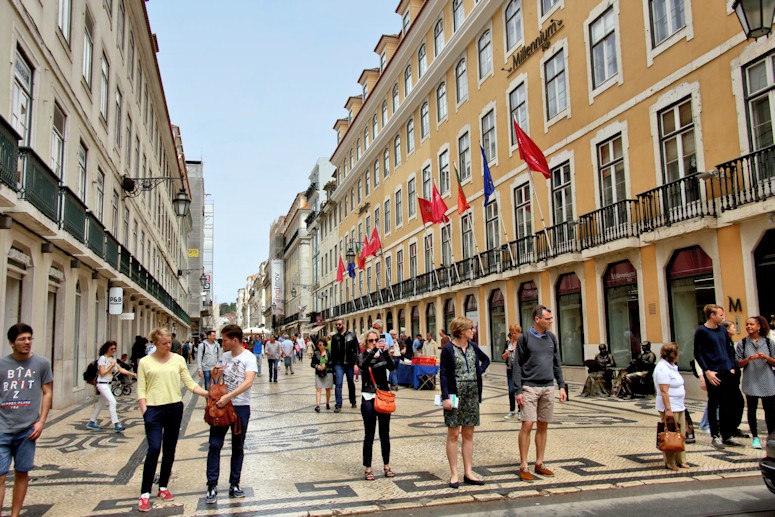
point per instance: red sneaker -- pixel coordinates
(144, 505)
(165, 495)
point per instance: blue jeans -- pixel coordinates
(272, 368)
(217, 437)
(162, 426)
(393, 379)
(20, 448)
(206, 375)
(339, 371)
(258, 362)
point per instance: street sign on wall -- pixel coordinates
(278, 292)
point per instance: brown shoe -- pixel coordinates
(524, 475)
(540, 469)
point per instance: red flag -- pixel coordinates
(340, 271)
(439, 207)
(361, 260)
(426, 210)
(462, 202)
(376, 244)
(529, 151)
(366, 251)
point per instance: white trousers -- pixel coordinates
(105, 396)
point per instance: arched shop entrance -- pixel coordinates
(622, 313)
(528, 299)
(570, 320)
(472, 313)
(497, 324)
(764, 260)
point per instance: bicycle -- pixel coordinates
(118, 387)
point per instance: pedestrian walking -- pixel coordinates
(300, 347)
(273, 352)
(160, 400)
(24, 405)
(177, 347)
(344, 355)
(461, 368)
(509, 351)
(238, 368)
(537, 363)
(106, 366)
(669, 384)
(186, 350)
(207, 357)
(324, 374)
(754, 356)
(288, 350)
(718, 366)
(138, 351)
(375, 362)
(258, 351)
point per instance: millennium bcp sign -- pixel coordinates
(543, 41)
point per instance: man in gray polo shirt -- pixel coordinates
(537, 365)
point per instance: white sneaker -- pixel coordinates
(510, 414)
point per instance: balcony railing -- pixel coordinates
(610, 223)
(125, 266)
(40, 186)
(111, 250)
(9, 155)
(73, 219)
(747, 179)
(677, 201)
(96, 235)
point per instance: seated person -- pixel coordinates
(637, 376)
(600, 374)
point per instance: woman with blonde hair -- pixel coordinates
(670, 399)
(509, 350)
(461, 367)
(158, 393)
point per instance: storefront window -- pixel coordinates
(472, 313)
(691, 287)
(764, 258)
(389, 321)
(528, 299)
(430, 319)
(497, 324)
(622, 312)
(449, 313)
(570, 323)
(415, 321)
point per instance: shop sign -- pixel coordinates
(278, 289)
(543, 41)
(621, 274)
(115, 300)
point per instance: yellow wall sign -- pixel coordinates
(193, 252)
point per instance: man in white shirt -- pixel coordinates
(207, 357)
(238, 367)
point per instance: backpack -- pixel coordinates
(90, 375)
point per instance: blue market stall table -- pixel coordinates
(417, 375)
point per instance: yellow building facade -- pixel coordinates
(655, 117)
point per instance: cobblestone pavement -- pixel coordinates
(299, 462)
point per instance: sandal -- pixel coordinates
(671, 467)
(389, 472)
(368, 475)
(684, 466)
(317, 409)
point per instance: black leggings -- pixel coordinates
(768, 404)
(370, 417)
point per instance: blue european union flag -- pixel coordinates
(489, 186)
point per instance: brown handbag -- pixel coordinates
(670, 441)
(217, 416)
(385, 401)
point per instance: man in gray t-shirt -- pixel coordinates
(27, 388)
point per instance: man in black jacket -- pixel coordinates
(344, 356)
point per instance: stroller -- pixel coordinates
(120, 385)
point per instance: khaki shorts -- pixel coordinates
(539, 404)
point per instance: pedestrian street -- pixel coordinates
(299, 462)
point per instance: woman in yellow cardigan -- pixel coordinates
(158, 392)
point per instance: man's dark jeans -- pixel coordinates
(723, 398)
(162, 426)
(217, 436)
(339, 372)
(272, 369)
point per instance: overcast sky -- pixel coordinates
(255, 86)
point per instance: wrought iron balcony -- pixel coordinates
(680, 200)
(96, 235)
(40, 186)
(747, 179)
(111, 250)
(610, 223)
(9, 155)
(125, 266)
(73, 219)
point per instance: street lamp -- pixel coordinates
(293, 293)
(203, 280)
(350, 255)
(135, 186)
(755, 16)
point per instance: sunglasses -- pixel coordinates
(372, 340)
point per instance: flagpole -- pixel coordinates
(473, 233)
(506, 235)
(454, 264)
(379, 289)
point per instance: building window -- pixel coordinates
(426, 182)
(461, 81)
(22, 97)
(376, 218)
(121, 25)
(118, 118)
(491, 225)
(384, 113)
(400, 266)
(444, 172)
(386, 161)
(441, 102)
(130, 64)
(428, 253)
(760, 99)
(394, 98)
(413, 260)
(358, 149)
(446, 245)
(422, 61)
(570, 320)
(603, 48)
(376, 172)
(667, 18)
(387, 216)
(467, 231)
(399, 209)
(411, 189)
(374, 126)
(88, 48)
(497, 326)
(438, 37)
(528, 299)
(410, 136)
(546, 5)
(83, 157)
(622, 313)
(388, 275)
(382, 61)
(126, 226)
(104, 74)
(458, 14)
(128, 142)
(556, 100)
(488, 135)
(352, 160)
(425, 120)
(58, 142)
(99, 198)
(114, 213)
(485, 54)
(613, 186)
(405, 20)
(464, 155)
(360, 190)
(64, 18)
(513, 16)
(407, 80)
(524, 217)
(562, 196)
(678, 146)
(518, 109)
(367, 182)
(397, 150)
(365, 138)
